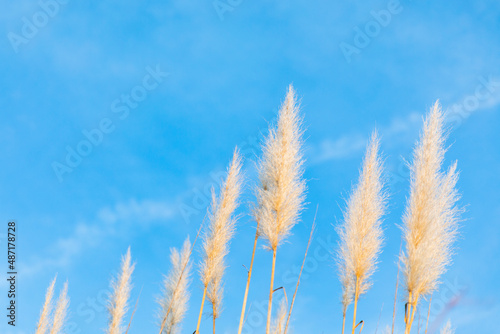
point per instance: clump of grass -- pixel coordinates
(361, 233)
(216, 239)
(430, 227)
(431, 217)
(122, 286)
(280, 196)
(175, 291)
(44, 321)
(60, 311)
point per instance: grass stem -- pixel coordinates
(271, 291)
(301, 269)
(201, 310)
(242, 317)
(356, 294)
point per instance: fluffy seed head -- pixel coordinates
(361, 233)
(176, 289)
(431, 217)
(60, 311)
(118, 305)
(220, 232)
(280, 196)
(43, 322)
(280, 320)
(447, 328)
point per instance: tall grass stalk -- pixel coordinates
(431, 217)
(361, 232)
(280, 196)
(216, 240)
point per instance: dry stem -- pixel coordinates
(242, 317)
(271, 291)
(301, 268)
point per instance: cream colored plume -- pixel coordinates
(447, 328)
(431, 216)
(220, 232)
(280, 320)
(361, 233)
(281, 194)
(43, 322)
(118, 305)
(175, 291)
(60, 311)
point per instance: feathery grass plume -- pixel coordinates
(447, 328)
(216, 239)
(279, 322)
(118, 305)
(60, 311)
(183, 270)
(281, 193)
(175, 291)
(431, 217)
(43, 322)
(361, 233)
(280, 197)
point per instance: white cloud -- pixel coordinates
(400, 130)
(404, 130)
(485, 96)
(340, 148)
(89, 234)
(143, 212)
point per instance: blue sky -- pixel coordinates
(219, 76)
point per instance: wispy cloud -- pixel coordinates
(340, 148)
(85, 235)
(403, 130)
(143, 212)
(354, 143)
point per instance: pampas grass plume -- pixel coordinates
(447, 328)
(176, 284)
(60, 311)
(280, 320)
(43, 322)
(431, 217)
(280, 196)
(219, 233)
(122, 286)
(361, 233)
